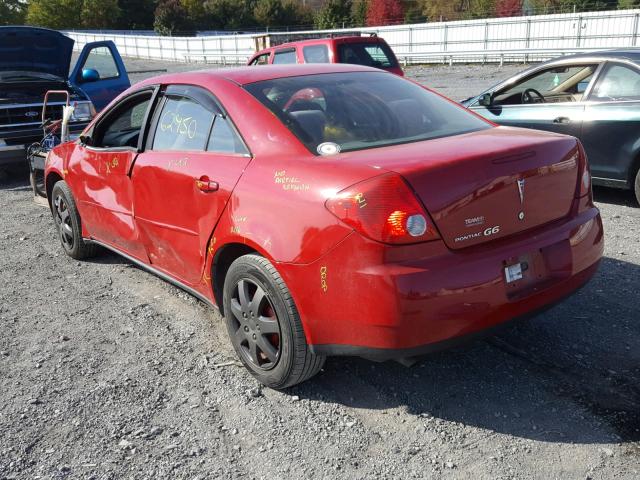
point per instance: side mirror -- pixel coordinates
(90, 75)
(486, 99)
(85, 140)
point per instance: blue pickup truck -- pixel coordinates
(36, 60)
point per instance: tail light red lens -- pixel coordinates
(384, 209)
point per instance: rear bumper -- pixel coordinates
(382, 354)
(382, 302)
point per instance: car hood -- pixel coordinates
(35, 50)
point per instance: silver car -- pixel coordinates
(594, 96)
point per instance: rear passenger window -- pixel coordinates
(224, 139)
(184, 125)
(316, 54)
(286, 56)
(369, 54)
(618, 83)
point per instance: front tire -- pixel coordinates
(67, 220)
(264, 325)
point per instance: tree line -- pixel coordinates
(171, 17)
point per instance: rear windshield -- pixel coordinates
(372, 54)
(361, 110)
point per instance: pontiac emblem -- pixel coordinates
(521, 193)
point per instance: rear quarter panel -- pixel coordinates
(277, 207)
(278, 203)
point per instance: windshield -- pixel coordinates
(361, 110)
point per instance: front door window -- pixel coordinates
(557, 84)
(100, 59)
(123, 127)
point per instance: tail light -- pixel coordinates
(384, 209)
(584, 187)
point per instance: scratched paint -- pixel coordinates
(212, 244)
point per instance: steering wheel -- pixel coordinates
(527, 96)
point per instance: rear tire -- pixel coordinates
(264, 325)
(68, 223)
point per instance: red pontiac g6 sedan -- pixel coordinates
(329, 210)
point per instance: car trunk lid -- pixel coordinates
(487, 185)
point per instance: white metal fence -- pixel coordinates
(496, 39)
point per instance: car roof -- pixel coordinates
(632, 54)
(251, 74)
(322, 41)
(343, 39)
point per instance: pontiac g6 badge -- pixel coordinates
(521, 193)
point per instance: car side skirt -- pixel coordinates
(610, 182)
(156, 272)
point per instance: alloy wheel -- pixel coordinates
(257, 331)
(63, 220)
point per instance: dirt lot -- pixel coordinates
(107, 372)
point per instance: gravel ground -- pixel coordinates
(107, 372)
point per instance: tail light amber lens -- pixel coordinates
(384, 209)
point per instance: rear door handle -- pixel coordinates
(562, 120)
(205, 185)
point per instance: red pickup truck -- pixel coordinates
(371, 51)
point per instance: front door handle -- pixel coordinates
(562, 120)
(205, 185)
